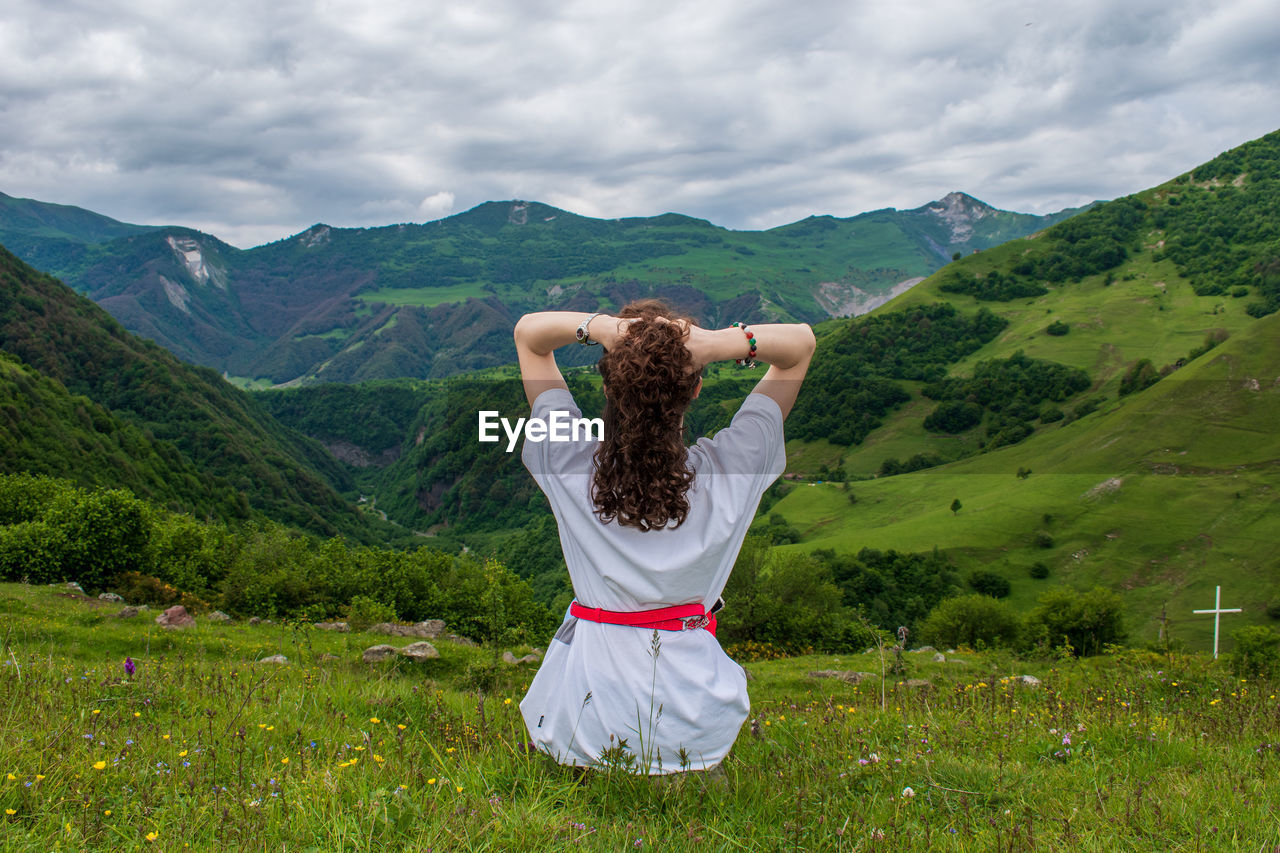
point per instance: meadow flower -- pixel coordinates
(908, 792)
(374, 720)
(151, 836)
(99, 765)
(129, 667)
(11, 812)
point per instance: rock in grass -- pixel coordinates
(420, 651)
(939, 657)
(373, 654)
(72, 586)
(925, 649)
(218, 616)
(428, 629)
(847, 675)
(274, 659)
(1028, 680)
(918, 684)
(461, 641)
(112, 597)
(176, 617)
(128, 612)
(509, 657)
(340, 627)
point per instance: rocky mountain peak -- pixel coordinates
(959, 211)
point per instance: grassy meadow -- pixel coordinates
(205, 747)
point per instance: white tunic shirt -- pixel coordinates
(674, 697)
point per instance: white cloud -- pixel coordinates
(262, 119)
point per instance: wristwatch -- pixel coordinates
(583, 337)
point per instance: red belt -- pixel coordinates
(679, 617)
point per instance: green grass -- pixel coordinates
(245, 383)
(205, 747)
(424, 297)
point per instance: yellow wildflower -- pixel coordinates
(374, 720)
(151, 836)
(99, 765)
(11, 812)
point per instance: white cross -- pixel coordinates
(1217, 612)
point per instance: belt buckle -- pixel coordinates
(693, 623)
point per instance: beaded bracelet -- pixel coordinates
(750, 360)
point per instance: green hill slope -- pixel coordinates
(48, 431)
(219, 452)
(1162, 490)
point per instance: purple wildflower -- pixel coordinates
(129, 667)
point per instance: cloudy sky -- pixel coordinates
(254, 119)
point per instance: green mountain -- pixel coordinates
(1156, 473)
(87, 400)
(433, 300)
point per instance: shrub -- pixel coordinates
(1043, 540)
(1085, 622)
(989, 583)
(1058, 328)
(1039, 571)
(971, 620)
(1050, 414)
(953, 416)
(1256, 653)
(137, 588)
(1273, 609)
(363, 611)
(1141, 375)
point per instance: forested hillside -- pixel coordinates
(191, 440)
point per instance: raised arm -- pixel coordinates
(786, 347)
(539, 335)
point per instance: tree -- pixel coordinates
(971, 620)
(989, 583)
(1086, 621)
(955, 506)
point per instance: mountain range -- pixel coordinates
(435, 299)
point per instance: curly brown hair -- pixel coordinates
(642, 473)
